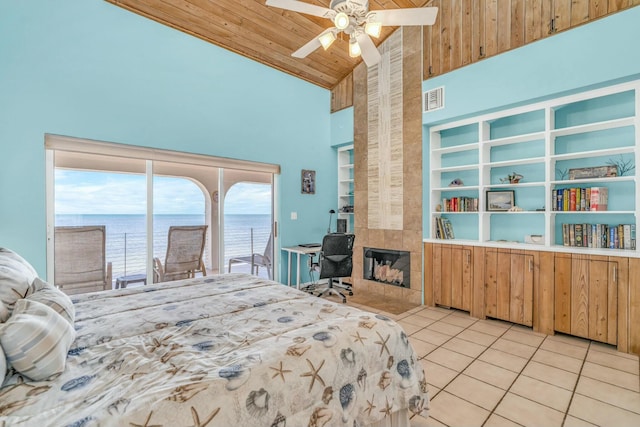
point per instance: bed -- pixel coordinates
(226, 350)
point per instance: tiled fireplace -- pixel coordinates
(389, 166)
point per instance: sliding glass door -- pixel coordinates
(137, 201)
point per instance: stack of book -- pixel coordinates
(580, 199)
(460, 204)
(443, 228)
(621, 236)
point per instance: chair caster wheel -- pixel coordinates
(350, 294)
(344, 300)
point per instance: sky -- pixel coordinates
(81, 192)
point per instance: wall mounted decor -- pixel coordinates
(308, 181)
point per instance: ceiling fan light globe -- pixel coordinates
(327, 39)
(354, 48)
(341, 21)
(373, 29)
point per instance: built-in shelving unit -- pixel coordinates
(345, 186)
(542, 142)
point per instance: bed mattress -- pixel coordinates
(227, 350)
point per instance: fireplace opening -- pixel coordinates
(387, 266)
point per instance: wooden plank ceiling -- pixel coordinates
(266, 34)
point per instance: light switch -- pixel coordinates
(294, 215)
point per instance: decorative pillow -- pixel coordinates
(53, 297)
(16, 276)
(3, 366)
(36, 340)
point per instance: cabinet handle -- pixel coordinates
(530, 264)
(468, 258)
(615, 274)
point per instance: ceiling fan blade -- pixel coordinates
(312, 45)
(368, 49)
(411, 16)
(302, 7)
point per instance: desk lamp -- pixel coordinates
(331, 212)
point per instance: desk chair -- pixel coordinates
(336, 261)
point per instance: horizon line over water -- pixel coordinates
(126, 236)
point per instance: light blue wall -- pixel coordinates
(597, 54)
(88, 69)
(342, 127)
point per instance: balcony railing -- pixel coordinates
(127, 251)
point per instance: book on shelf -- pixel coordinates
(460, 204)
(599, 199)
(443, 229)
(578, 235)
(627, 236)
(610, 236)
(580, 199)
(572, 235)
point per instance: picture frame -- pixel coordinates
(308, 180)
(500, 200)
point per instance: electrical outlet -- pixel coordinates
(294, 215)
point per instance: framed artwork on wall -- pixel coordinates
(308, 181)
(501, 200)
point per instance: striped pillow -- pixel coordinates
(53, 297)
(16, 276)
(36, 339)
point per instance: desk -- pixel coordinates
(299, 251)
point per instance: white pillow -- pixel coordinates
(16, 276)
(53, 297)
(36, 340)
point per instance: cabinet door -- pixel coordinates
(562, 279)
(509, 286)
(452, 275)
(587, 297)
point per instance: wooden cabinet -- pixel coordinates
(586, 295)
(452, 275)
(509, 285)
(591, 296)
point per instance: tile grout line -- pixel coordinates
(520, 373)
(512, 383)
(575, 387)
(474, 359)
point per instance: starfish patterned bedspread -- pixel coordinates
(227, 350)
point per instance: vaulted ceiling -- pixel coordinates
(265, 34)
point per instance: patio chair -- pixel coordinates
(80, 259)
(185, 246)
(257, 260)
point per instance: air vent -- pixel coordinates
(433, 99)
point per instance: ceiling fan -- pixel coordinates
(354, 19)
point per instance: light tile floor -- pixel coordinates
(493, 373)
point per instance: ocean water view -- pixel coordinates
(126, 236)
